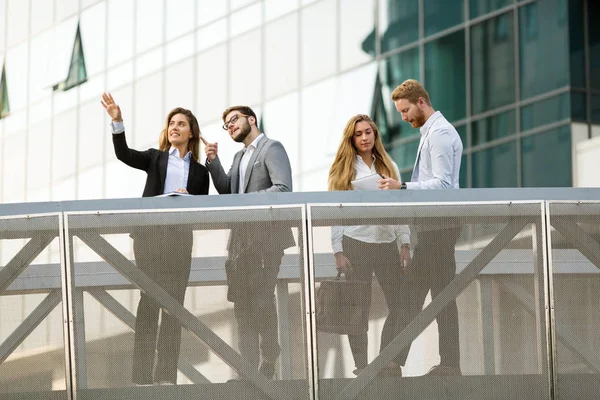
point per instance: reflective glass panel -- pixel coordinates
(150, 24)
(577, 43)
(442, 14)
(545, 112)
(492, 63)
(495, 167)
(594, 43)
(209, 10)
(318, 41)
(16, 76)
(277, 8)
(399, 23)
(595, 108)
(357, 28)
(492, 128)
(16, 29)
(543, 36)
(405, 154)
(42, 13)
(445, 75)
(120, 31)
(180, 18)
(546, 159)
(578, 106)
(178, 76)
(481, 7)
(13, 159)
(395, 70)
(93, 23)
(245, 78)
(212, 86)
(66, 8)
(281, 55)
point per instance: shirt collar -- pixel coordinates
(255, 141)
(173, 152)
(429, 122)
(360, 160)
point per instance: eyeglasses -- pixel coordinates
(233, 120)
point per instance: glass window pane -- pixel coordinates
(277, 8)
(211, 34)
(235, 4)
(492, 128)
(16, 79)
(578, 107)
(38, 176)
(92, 132)
(545, 112)
(209, 10)
(89, 184)
(149, 62)
(318, 41)
(406, 154)
(399, 23)
(120, 31)
(13, 183)
(92, 35)
(462, 133)
(280, 121)
(594, 43)
(541, 170)
(178, 76)
(149, 116)
(180, 49)
(123, 97)
(42, 14)
(182, 14)
(395, 70)
(149, 24)
(281, 55)
(480, 7)
(211, 95)
(543, 37)
(446, 86)
(16, 25)
(492, 63)
(245, 19)
(462, 174)
(495, 167)
(595, 109)
(2, 26)
(442, 14)
(66, 8)
(63, 156)
(577, 43)
(357, 28)
(246, 82)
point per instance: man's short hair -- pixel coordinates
(242, 109)
(411, 90)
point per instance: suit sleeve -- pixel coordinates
(280, 171)
(133, 158)
(221, 180)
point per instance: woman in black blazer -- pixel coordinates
(163, 253)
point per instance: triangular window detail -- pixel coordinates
(4, 106)
(77, 71)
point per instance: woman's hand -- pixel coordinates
(112, 109)
(388, 183)
(181, 190)
(342, 263)
(405, 257)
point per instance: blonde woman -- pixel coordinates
(361, 251)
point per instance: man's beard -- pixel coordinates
(243, 134)
(420, 119)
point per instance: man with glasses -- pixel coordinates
(255, 249)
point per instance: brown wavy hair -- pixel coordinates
(193, 144)
(342, 171)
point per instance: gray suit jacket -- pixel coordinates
(268, 170)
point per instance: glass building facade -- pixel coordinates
(512, 76)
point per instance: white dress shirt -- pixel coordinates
(246, 158)
(369, 233)
(438, 159)
(178, 169)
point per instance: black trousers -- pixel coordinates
(255, 276)
(382, 259)
(434, 267)
(166, 258)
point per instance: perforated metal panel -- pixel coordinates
(32, 350)
(575, 237)
(497, 283)
(138, 276)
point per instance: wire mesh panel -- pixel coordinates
(231, 278)
(575, 255)
(32, 350)
(438, 301)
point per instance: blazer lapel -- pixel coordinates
(235, 173)
(192, 172)
(163, 160)
(253, 157)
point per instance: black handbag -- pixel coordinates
(343, 306)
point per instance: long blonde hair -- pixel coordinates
(193, 144)
(342, 171)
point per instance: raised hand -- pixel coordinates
(112, 109)
(211, 149)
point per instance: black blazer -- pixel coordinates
(155, 162)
